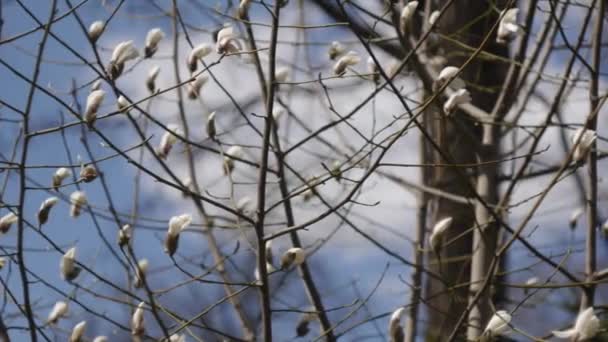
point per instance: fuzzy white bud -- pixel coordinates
(59, 310)
(176, 225)
(167, 141)
(438, 230)
(78, 332)
(508, 27)
(59, 176)
(587, 326)
(153, 37)
(234, 152)
(406, 14)
(151, 79)
(350, 59)
(585, 138)
(95, 30)
(137, 320)
(227, 41)
(461, 96)
(93, 103)
(293, 257)
(45, 209)
(197, 53)
(69, 270)
(78, 199)
(7, 221)
(395, 330)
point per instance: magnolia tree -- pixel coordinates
(317, 170)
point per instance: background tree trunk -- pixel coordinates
(461, 139)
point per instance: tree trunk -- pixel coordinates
(461, 139)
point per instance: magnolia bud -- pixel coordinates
(151, 79)
(211, 131)
(69, 270)
(2, 262)
(60, 309)
(449, 74)
(395, 330)
(406, 15)
(586, 327)
(194, 87)
(122, 103)
(350, 59)
(88, 173)
(433, 17)
(7, 221)
(95, 30)
(93, 102)
(372, 68)
(167, 141)
(59, 176)
(227, 41)
(438, 230)
(335, 170)
(508, 27)
(137, 321)
(335, 50)
(153, 37)
(78, 200)
(45, 209)
(461, 96)
(78, 332)
(124, 235)
(585, 138)
(243, 11)
(96, 85)
(292, 257)
(197, 53)
(100, 339)
(176, 225)
(498, 325)
(140, 273)
(281, 74)
(122, 53)
(233, 152)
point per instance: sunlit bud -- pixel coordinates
(461, 96)
(176, 225)
(395, 330)
(294, 256)
(406, 14)
(576, 214)
(69, 270)
(124, 235)
(95, 30)
(447, 74)
(211, 130)
(197, 53)
(372, 68)
(587, 138)
(498, 325)
(140, 273)
(234, 152)
(96, 85)
(508, 27)
(167, 141)
(137, 321)
(7, 221)
(245, 206)
(151, 79)
(93, 102)
(78, 332)
(194, 87)
(188, 186)
(122, 103)
(88, 173)
(335, 170)
(45, 209)
(433, 17)
(153, 37)
(281, 74)
(227, 41)
(243, 10)
(100, 339)
(350, 59)
(587, 326)
(60, 174)
(2, 262)
(123, 52)
(302, 328)
(438, 230)
(335, 50)
(60, 309)
(78, 199)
